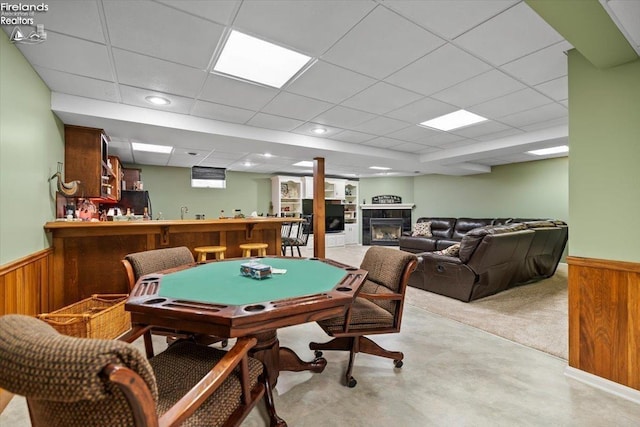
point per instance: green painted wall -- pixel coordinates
(170, 188)
(31, 144)
(604, 134)
(398, 186)
(531, 189)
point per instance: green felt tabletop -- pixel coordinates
(221, 282)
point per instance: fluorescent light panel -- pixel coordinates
(304, 164)
(259, 61)
(380, 168)
(151, 148)
(455, 120)
(550, 150)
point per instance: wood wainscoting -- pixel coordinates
(25, 284)
(604, 319)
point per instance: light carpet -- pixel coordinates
(534, 315)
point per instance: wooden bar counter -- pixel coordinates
(86, 255)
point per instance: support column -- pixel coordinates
(318, 208)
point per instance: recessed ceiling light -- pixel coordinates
(455, 120)
(304, 164)
(267, 155)
(319, 131)
(550, 150)
(247, 163)
(380, 168)
(158, 100)
(259, 61)
(151, 148)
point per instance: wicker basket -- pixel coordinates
(101, 316)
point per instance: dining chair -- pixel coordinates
(85, 382)
(376, 310)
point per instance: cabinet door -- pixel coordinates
(85, 159)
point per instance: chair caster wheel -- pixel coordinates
(224, 343)
(351, 382)
(318, 353)
(398, 363)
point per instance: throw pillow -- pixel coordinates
(422, 229)
(452, 250)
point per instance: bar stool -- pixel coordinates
(261, 248)
(202, 252)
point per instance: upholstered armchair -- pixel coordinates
(84, 382)
(376, 310)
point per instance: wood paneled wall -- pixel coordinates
(25, 284)
(604, 319)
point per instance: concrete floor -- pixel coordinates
(453, 375)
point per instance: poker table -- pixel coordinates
(215, 298)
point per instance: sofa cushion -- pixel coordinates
(464, 225)
(452, 250)
(441, 228)
(422, 229)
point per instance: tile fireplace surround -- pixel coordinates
(382, 224)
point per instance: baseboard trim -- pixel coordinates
(603, 384)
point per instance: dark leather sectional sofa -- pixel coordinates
(495, 254)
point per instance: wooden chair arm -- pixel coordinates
(380, 296)
(128, 269)
(187, 405)
(137, 391)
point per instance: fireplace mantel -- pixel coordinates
(388, 206)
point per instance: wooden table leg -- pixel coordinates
(276, 358)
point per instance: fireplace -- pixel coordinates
(385, 231)
(382, 224)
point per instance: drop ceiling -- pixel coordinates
(379, 68)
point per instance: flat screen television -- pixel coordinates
(333, 218)
(333, 215)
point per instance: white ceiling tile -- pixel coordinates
(484, 87)
(441, 138)
(84, 15)
(186, 157)
(381, 44)
(228, 155)
(274, 122)
(565, 102)
(221, 11)
(455, 144)
(146, 72)
(409, 147)
(421, 110)
(163, 36)
(307, 26)
(381, 98)
(383, 142)
(546, 64)
(71, 55)
(136, 96)
(440, 69)
(424, 149)
(72, 84)
(512, 103)
(329, 82)
(340, 116)
(512, 34)
(557, 89)
(535, 115)
(381, 126)
(449, 18)
(353, 136)
(295, 106)
(479, 129)
(560, 121)
(414, 133)
(228, 91)
(498, 135)
(216, 162)
(209, 110)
